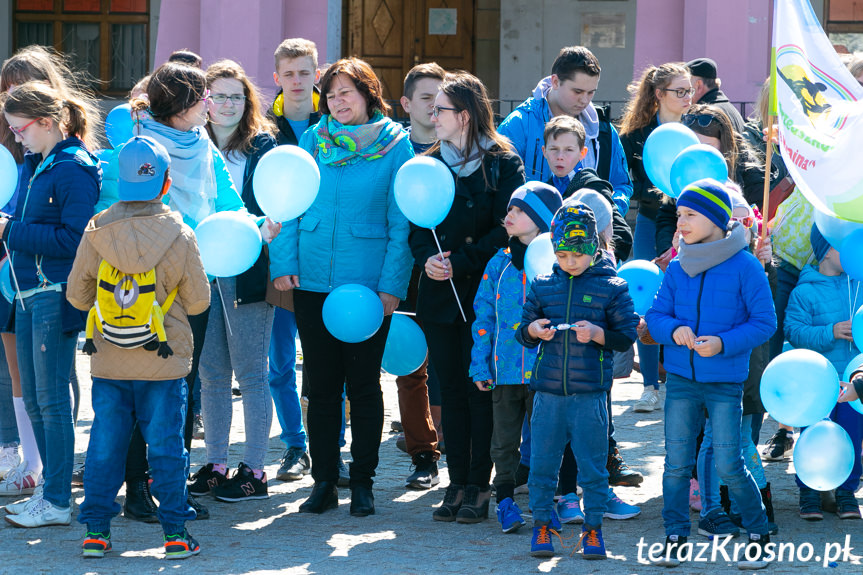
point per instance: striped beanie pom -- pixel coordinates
(709, 198)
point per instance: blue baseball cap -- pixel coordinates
(143, 163)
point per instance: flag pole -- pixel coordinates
(770, 120)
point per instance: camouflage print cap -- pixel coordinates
(573, 229)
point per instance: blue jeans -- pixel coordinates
(45, 355)
(8, 426)
(241, 352)
(159, 408)
(582, 420)
(644, 248)
(685, 401)
(786, 280)
(283, 379)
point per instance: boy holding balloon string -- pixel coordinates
(713, 308)
(818, 317)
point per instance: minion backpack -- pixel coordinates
(126, 311)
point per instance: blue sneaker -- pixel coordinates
(717, 524)
(618, 509)
(592, 545)
(569, 509)
(509, 516)
(540, 543)
(554, 522)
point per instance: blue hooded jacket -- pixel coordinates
(726, 294)
(496, 354)
(816, 304)
(525, 125)
(564, 365)
(52, 213)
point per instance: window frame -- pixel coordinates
(104, 18)
(840, 26)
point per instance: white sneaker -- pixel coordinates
(19, 482)
(40, 514)
(21, 506)
(648, 402)
(9, 460)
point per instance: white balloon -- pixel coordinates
(539, 258)
(286, 182)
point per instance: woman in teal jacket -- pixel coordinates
(354, 233)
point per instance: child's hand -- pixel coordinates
(764, 250)
(585, 331)
(270, 230)
(848, 393)
(539, 329)
(708, 345)
(641, 328)
(842, 330)
(684, 336)
(665, 259)
(486, 385)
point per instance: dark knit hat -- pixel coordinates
(820, 245)
(702, 67)
(539, 201)
(709, 198)
(573, 229)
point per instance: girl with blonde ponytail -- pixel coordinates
(43, 237)
(662, 95)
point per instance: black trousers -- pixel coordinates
(136, 458)
(466, 412)
(330, 365)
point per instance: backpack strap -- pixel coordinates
(169, 301)
(603, 166)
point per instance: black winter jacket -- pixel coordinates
(648, 195)
(472, 231)
(716, 97)
(564, 366)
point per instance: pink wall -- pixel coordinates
(735, 33)
(246, 32)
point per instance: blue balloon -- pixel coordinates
(643, 279)
(857, 328)
(424, 189)
(119, 125)
(539, 257)
(823, 456)
(229, 242)
(853, 366)
(696, 163)
(851, 255)
(661, 149)
(8, 176)
(353, 313)
(6, 287)
(834, 229)
(406, 347)
(786, 347)
(286, 182)
(799, 388)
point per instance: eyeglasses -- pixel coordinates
(680, 92)
(437, 109)
(702, 120)
(206, 96)
(236, 99)
(19, 131)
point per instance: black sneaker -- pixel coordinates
(78, 474)
(344, 474)
(780, 447)
(425, 475)
(810, 505)
(755, 553)
(522, 473)
(847, 506)
(198, 427)
(243, 485)
(671, 554)
(619, 472)
(201, 512)
(396, 426)
(295, 464)
(205, 480)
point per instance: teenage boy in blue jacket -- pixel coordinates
(713, 308)
(578, 315)
(569, 90)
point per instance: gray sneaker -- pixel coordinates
(295, 464)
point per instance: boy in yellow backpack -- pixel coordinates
(138, 266)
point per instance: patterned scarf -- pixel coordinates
(341, 145)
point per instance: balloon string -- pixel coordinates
(458, 301)
(224, 309)
(14, 277)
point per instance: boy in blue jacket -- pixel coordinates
(498, 362)
(818, 317)
(573, 371)
(713, 308)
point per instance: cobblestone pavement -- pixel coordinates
(271, 536)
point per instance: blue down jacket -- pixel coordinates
(564, 366)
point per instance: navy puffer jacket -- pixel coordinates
(564, 366)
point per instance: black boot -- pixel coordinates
(724, 499)
(767, 499)
(474, 508)
(362, 501)
(452, 500)
(201, 512)
(139, 505)
(324, 496)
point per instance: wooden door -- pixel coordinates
(394, 35)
